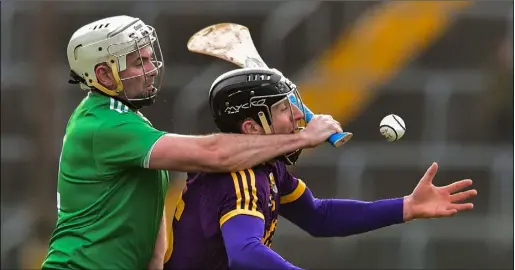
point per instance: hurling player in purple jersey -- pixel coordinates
(228, 220)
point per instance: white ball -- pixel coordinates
(392, 127)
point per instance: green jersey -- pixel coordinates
(109, 203)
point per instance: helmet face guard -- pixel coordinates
(298, 125)
(295, 101)
(147, 38)
(266, 121)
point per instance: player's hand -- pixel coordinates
(320, 128)
(430, 201)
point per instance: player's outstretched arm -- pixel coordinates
(339, 217)
(233, 152)
(242, 235)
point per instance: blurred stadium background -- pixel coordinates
(445, 67)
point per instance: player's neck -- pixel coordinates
(267, 163)
(124, 102)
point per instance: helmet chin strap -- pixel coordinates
(138, 103)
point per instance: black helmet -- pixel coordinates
(240, 94)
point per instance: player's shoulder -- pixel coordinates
(214, 186)
(201, 177)
(216, 179)
(228, 181)
(210, 181)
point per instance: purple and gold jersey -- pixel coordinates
(210, 199)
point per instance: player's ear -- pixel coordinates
(249, 126)
(105, 76)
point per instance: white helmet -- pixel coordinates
(109, 40)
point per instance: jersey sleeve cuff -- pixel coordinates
(236, 212)
(295, 194)
(146, 162)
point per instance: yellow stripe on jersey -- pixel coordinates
(237, 190)
(254, 191)
(236, 212)
(246, 193)
(299, 190)
(267, 239)
(245, 210)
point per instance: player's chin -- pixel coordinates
(150, 90)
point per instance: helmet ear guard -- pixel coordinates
(113, 64)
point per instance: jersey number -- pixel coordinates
(269, 234)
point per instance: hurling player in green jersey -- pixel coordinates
(112, 177)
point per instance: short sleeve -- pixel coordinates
(290, 187)
(244, 195)
(125, 143)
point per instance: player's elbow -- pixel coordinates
(237, 263)
(311, 227)
(241, 256)
(308, 213)
(315, 226)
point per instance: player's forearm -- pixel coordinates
(157, 260)
(220, 152)
(245, 251)
(338, 217)
(348, 217)
(238, 152)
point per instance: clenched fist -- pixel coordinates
(320, 128)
